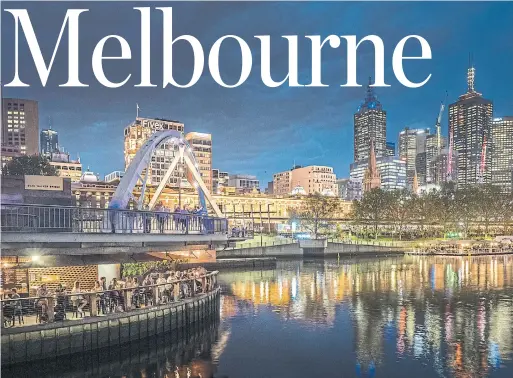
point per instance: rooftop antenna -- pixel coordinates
(138, 108)
(471, 73)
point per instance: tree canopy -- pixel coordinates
(29, 165)
(315, 213)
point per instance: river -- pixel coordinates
(390, 317)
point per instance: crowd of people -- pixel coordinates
(118, 295)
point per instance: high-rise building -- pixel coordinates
(392, 172)
(390, 149)
(313, 179)
(411, 143)
(432, 151)
(49, 142)
(371, 178)
(469, 122)
(501, 151)
(20, 125)
(370, 124)
(137, 133)
(439, 168)
(201, 145)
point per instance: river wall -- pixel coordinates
(82, 335)
(293, 250)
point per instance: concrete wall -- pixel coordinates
(13, 191)
(77, 336)
(293, 250)
(284, 250)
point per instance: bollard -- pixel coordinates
(93, 308)
(50, 310)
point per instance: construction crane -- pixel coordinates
(438, 125)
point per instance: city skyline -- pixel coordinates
(317, 123)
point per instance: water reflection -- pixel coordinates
(453, 313)
(394, 317)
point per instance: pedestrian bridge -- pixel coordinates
(54, 230)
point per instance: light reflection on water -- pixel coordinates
(395, 317)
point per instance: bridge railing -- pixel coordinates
(65, 305)
(42, 218)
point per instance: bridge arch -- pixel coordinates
(141, 162)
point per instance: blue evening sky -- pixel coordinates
(259, 130)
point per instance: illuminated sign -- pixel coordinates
(43, 183)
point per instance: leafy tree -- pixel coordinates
(373, 208)
(466, 206)
(29, 165)
(488, 204)
(315, 212)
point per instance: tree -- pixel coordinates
(315, 212)
(29, 165)
(465, 205)
(488, 203)
(373, 208)
(400, 209)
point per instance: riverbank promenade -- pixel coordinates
(63, 322)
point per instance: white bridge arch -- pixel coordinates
(141, 162)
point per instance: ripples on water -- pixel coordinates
(397, 317)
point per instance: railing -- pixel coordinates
(41, 218)
(63, 306)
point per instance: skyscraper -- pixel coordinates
(201, 145)
(501, 151)
(370, 124)
(469, 122)
(412, 142)
(20, 125)
(432, 151)
(137, 133)
(49, 142)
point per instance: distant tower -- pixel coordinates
(470, 121)
(371, 178)
(370, 124)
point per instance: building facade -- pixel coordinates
(432, 151)
(371, 177)
(411, 143)
(370, 125)
(201, 145)
(470, 121)
(392, 172)
(20, 125)
(390, 149)
(114, 177)
(49, 142)
(313, 179)
(244, 183)
(65, 166)
(501, 151)
(219, 181)
(137, 133)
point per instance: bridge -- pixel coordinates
(38, 229)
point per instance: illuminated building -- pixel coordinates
(65, 166)
(411, 143)
(9, 152)
(20, 125)
(392, 172)
(313, 179)
(219, 181)
(501, 151)
(201, 144)
(431, 154)
(469, 120)
(390, 149)
(370, 124)
(49, 141)
(137, 133)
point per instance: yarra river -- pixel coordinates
(390, 317)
